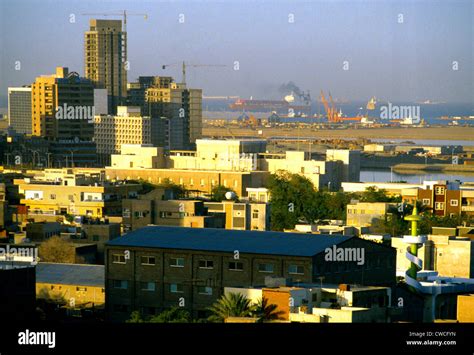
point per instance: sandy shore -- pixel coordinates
(432, 133)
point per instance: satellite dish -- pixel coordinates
(230, 195)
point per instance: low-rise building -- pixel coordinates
(72, 285)
(74, 194)
(465, 308)
(155, 268)
(450, 256)
(324, 303)
(367, 214)
(240, 156)
(242, 215)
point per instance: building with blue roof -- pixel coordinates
(158, 267)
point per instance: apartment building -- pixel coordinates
(157, 267)
(126, 127)
(105, 59)
(74, 194)
(62, 106)
(19, 109)
(443, 198)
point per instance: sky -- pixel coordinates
(394, 50)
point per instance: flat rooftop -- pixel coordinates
(224, 240)
(71, 274)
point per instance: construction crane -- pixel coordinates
(184, 65)
(122, 13)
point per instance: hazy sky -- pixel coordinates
(412, 60)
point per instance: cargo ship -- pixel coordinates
(291, 104)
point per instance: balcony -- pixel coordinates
(469, 208)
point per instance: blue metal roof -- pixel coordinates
(71, 274)
(224, 240)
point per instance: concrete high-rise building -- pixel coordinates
(62, 106)
(127, 127)
(19, 109)
(105, 51)
(176, 111)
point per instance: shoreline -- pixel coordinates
(452, 133)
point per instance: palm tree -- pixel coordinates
(231, 305)
(265, 311)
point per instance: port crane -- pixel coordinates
(184, 65)
(331, 111)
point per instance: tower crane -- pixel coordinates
(184, 65)
(122, 13)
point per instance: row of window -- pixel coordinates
(208, 264)
(440, 205)
(150, 286)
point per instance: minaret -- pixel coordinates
(416, 263)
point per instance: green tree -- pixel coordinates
(231, 305)
(294, 200)
(265, 311)
(172, 315)
(372, 194)
(57, 250)
(178, 190)
(135, 317)
(218, 193)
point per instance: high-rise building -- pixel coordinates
(105, 51)
(19, 109)
(181, 111)
(127, 127)
(62, 106)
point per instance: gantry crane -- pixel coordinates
(184, 65)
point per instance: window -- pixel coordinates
(177, 262)
(71, 198)
(121, 284)
(454, 202)
(439, 190)
(120, 308)
(202, 182)
(118, 259)
(236, 266)
(296, 269)
(148, 260)
(82, 289)
(255, 214)
(162, 214)
(426, 201)
(206, 264)
(95, 238)
(147, 286)
(439, 206)
(204, 290)
(265, 267)
(52, 196)
(176, 288)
